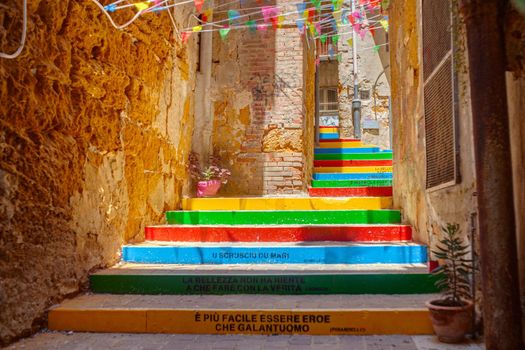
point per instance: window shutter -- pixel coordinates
(439, 92)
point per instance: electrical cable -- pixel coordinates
(22, 39)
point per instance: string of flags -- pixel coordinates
(325, 20)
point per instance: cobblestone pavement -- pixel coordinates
(96, 341)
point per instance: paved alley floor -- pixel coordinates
(96, 341)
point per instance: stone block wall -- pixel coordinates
(259, 110)
(95, 127)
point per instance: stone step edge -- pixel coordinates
(189, 283)
(242, 321)
(295, 233)
(385, 191)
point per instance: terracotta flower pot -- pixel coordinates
(208, 188)
(450, 323)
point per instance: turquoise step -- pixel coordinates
(352, 176)
(328, 136)
(289, 253)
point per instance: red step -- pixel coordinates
(348, 233)
(335, 163)
(351, 191)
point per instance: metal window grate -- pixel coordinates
(439, 95)
(437, 41)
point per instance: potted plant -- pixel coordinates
(210, 177)
(452, 315)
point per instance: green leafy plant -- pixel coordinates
(455, 270)
(212, 171)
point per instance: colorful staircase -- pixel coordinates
(347, 168)
(341, 264)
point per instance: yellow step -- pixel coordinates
(262, 314)
(333, 130)
(287, 203)
(354, 169)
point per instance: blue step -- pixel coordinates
(401, 253)
(352, 176)
(328, 136)
(347, 150)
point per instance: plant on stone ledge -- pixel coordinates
(212, 171)
(456, 269)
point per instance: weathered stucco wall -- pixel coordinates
(426, 211)
(259, 109)
(95, 129)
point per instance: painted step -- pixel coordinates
(342, 140)
(354, 176)
(291, 279)
(350, 183)
(354, 156)
(354, 169)
(347, 150)
(348, 233)
(286, 203)
(331, 136)
(342, 144)
(345, 163)
(284, 217)
(328, 129)
(268, 253)
(350, 191)
(244, 314)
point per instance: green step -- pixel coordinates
(281, 284)
(283, 217)
(354, 156)
(351, 183)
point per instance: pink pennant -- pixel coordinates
(269, 12)
(262, 27)
(185, 36)
(198, 5)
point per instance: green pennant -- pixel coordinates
(376, 48)
(224, 33)
(339, 57)
(323, 38)
(252, 25)
(335, 39)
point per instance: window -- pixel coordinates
(439, 92)
(328, 101)
(364, 94)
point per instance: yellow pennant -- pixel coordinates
(196, 29)
(141, 6)
(350, 42)
(280, 21)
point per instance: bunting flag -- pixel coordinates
(233, 15)
(269, 12)
(350, 42)
(307, 17)
(376, 48)
(224, 32)
(252, 25)
(141, 6)
(184, 36)
(198, 5)
(339, 57)
(384, 24)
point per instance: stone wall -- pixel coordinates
(259, 109)
(426, 211)
(95, 130)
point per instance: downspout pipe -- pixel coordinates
(356, 102)
(490, 122)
